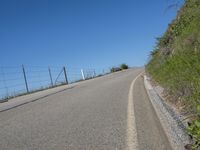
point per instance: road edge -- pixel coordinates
(171, 125)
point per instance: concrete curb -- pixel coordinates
(172, 125)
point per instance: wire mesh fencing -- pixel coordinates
(20, 80)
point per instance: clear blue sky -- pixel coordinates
(80, 33)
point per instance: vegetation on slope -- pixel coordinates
(175, 61)
(121, 67)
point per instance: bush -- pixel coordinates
(124, 66)
(194, 130)
(115, 69)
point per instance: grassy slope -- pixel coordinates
(175, 61)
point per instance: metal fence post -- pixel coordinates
(24, 73)
(65, 73)
(94, 73)
(82, 73)
(4, 81)
(50, 76)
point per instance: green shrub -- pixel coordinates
(194, 130)
(124, 66)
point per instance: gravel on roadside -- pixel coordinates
(169, 118)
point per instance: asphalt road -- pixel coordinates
(107, 113)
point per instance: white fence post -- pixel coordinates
(82, 73)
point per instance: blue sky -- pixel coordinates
(80, 33)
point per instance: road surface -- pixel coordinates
(107, 113)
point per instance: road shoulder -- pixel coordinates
(149, 129)
(169, 120)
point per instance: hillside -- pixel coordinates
(175, 62)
